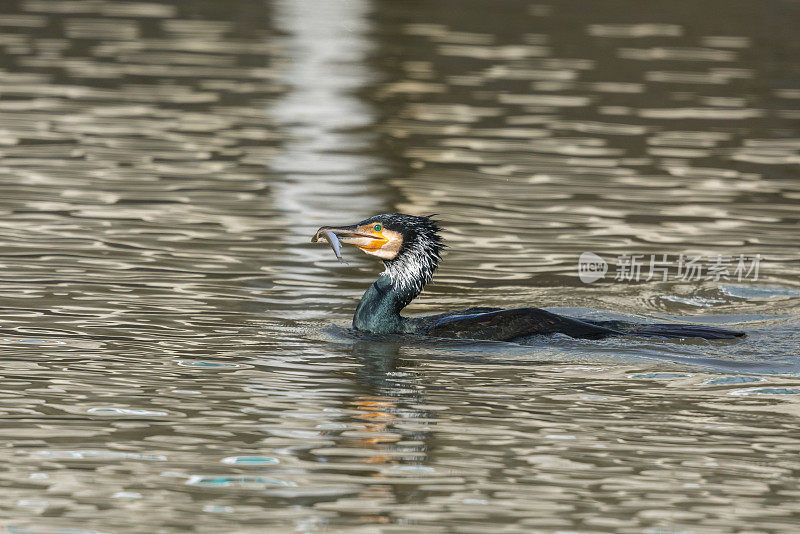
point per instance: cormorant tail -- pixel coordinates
(670, 330)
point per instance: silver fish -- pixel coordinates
(334, 242)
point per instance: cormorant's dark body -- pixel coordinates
(379, 312)
(412, 267)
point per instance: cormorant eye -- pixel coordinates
(378, 227)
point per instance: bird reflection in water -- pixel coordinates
(379, 416)
(391, 393)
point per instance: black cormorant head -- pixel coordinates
(410, 246)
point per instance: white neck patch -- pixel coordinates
(415, 267)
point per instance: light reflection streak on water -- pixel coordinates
(322, 171)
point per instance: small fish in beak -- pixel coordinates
(330, 234)
(334, 242)
(367, 237)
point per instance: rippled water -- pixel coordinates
(168, 356)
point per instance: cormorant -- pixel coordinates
(410, 247)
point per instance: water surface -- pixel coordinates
(175, 354)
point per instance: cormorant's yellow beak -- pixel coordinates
(365, 237)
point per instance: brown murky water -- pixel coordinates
(168, 360)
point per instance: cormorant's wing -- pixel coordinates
(506, 325)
